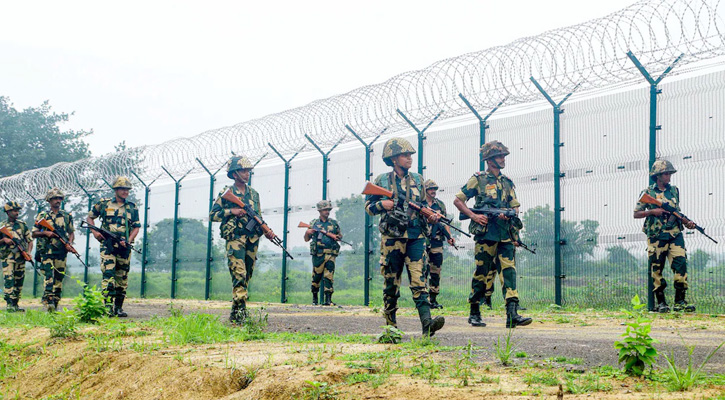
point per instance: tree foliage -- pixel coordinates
(581, 236)
(191, 249)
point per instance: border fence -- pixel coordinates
(584, 109)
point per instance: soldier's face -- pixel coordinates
(13, 214)
(664, 179)
(122, 193)
(324, 213)
(432, 192)
(55, 202)
(242, 175)
(404, 160)
(500, 160)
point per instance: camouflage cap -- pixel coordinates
(493, 149)
(53, 193)
(660, 167)
(324, 205)
(12, 205)
(430, 184)
(394, 147)
(237, 163)
(122, 182)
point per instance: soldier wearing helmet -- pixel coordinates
(241, 242)
(434, 247)
(404, 233)
(51, 252)
(664, 236)
(495, 236)
(11, 259)
(120, 216)
(324, 250)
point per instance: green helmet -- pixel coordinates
(394, 147)
(12, 205)
(53, 193)
(430, 184)
(122, 182)
(660, 167)
(324, 205)
(237, 163)
(493, 149)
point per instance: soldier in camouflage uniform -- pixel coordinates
(324, 250)
(241, 243)
(51, 252)
(434, 247)
(495, 237)
(664, 236)
(12, 261)
(120, 216)
(404, 233)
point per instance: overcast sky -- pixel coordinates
(150, 71)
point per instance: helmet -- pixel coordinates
(493, 149)
(394, 147)
(122, 182)
(53, 193)
(237, 163)
(430, 184)
(12, 205)
(324, 205)
(660, 167)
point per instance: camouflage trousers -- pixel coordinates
(673, 250)
(241, 256)
(14, 276)
(54, 271)
(114, 273)
(491, 279)
(323, 269)
(433, 268)
(499, 256)
(397, 254)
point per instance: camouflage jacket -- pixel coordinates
(665, 227)
(116, 218)
(62, 222)
(438, 232)
(417, 226)
(20, 231)
(495, 192)
(321, 243)
(233, 228)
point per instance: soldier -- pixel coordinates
(12, 261)
(241, 243)
(495, 237)
(434, 248)
(120, 216)
(51, 252)
(664, 236)
(404, 234)
(324, 250)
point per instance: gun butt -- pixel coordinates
(647, 199)
(229, 196)
(303, 225)
(372, 189)
(45, 224)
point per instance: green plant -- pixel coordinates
(637, 350)
(256, 322)
(682, 379)
(521, 354)
(504, 347)
(318, 391)
(464, 365)
(390, 334)
(175, 311)
(586, 383)
(548, 378)
(64, 325)
(90, 306)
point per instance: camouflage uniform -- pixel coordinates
(324, 250)
(434, 247)
(12, 261)
(665, 240)
(241, 244)
(51, 253)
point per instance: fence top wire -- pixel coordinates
(591, 54)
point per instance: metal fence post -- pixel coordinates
(88, 234)
(175, 243)
(421, 136)
(653, 128)
(35, 264)
(482, 125)
(209, 259)
(558, 241)
(145, 239)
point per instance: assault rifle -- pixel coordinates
(18, 244)
(256, 221)
(524, 246)
(439, 228)
(108, 235)
(321, 232)
(489, 212)
(372, 189)
(43, 223)
(647, 199)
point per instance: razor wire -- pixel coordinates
(591, 55)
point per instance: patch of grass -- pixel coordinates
(428, 369)
(504, 347)
(562, 320)
(318, 391)
(463, 366)
(489, 379)
(682, 379)
(201, 329)
(65, 325)
(423, 343)
(565, 360)
(390, 335)
(27, 320)
(587, 383)
(521, 354)
(367, 355)
(288, 337)
(548, 378)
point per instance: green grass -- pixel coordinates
(547, 378)
(587, 383)
(200, 329)
(565, 360)
(26, 320)
(287, 337)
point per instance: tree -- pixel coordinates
(581, 237)
(700, 259)
(32, 138)
(619, 256)
(191, 246)
(350, 214)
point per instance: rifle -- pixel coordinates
(524, 246)
(437, 227)
(489, 212)
(256, 221)
(319, 231)
(372, 189)
(43, 223)
(647, 199)
(110, 236)
(18, 244)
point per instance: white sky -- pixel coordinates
(149, 71)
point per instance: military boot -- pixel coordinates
(328, 299)
(314, 298)
(118, 310)
(429, 325)
(681, 303)
(513, 319)
(10, 306)
(662, 306)
(474, 318)
(390, 317)
(487, 302)
(434, 302)
(17, 307)
(233, 313)
(51, 306)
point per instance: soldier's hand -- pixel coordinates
(269, 234)
(434, 218)
(68, 248)
(388, 204)
(7, 241)
(480, 219)
(48, 234)
(657, 212)
(452, 241)
(122, 243)
(98, 236)
(689, 224)
(503, 217)
(310, 232)
(237, 212)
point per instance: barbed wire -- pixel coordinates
(591, 54)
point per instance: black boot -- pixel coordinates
(662, 306)
(234, 313)
(17, 308)
(474, 318)
(51, 306)
(434, 302)
(118, 310)
(314, 298)
(390, 318)
(238, 314)
(513, 319)
(9, 307)
(429, 325)
(681, 303)
(487, 302)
